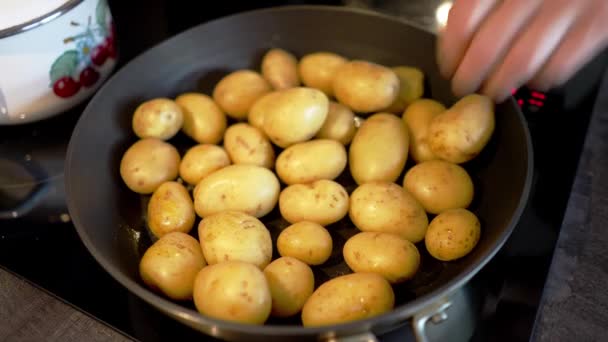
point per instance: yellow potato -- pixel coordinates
(232, 235)
(157, 118)
(200, 161)
(291, 283)
(417, 118)
(388, 208)
(280, 69)
(323, 201)
(460, 133)
(365, 87)
(452, 234)
(246, 144)
(233, 291)
(310, 161)
(389, 255)
(251, 189)
(439, 185)
(147, 164)
(237, 91)
(204, 121)
(295, 115)
(411, 88)
(259, 109)
(348, 298)
(339, 124)
(306, 241)
(171, 264)
(379, 149)
(170, 210)
(317, 70)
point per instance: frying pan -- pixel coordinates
(110, 219)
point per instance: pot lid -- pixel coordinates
(14, 13)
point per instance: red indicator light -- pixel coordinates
(520, 102)
(539, 95)
(513, 91)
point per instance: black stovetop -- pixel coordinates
(508, 289)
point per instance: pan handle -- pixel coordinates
(364, 337)
(436, 313)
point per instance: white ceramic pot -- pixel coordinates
(53, 55)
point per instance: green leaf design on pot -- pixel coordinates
(64, 65)
(100, 16)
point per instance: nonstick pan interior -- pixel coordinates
(110, 219)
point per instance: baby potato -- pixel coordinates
(299, 163)
(291, 283)
(389, 255)
(232, 235)
(295, 115)
(388, 208)
(379, 149)
(317, 70)
(251, 189)
(365, 87)
(200, 161)
(323, 201)
(417, 118)
(237, 91)
(339, 124)
(348, 298)
(170, 210)
(147, 164)
(461, 132)
(246, 144)
(204, 121)
(439, 185)
(233, 291)
(259, 109)
(306, 241)
(280, 69)
(452, 234)
(171, 264)
(411, 88)
(157, 118)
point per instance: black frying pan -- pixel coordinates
(110, 218)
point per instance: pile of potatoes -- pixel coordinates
(281, 137)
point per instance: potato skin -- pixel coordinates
(339, 124)
(158, 118)
(280, 69)
(317, 70)
(236, 92)
(246, 144)
(452, 234)
(411, 88)
(379, 149)
(460, 133)
(299, 163)
(439, 185)
(306, 241)
(234, 291)
(259, 109)
(201, 160)
(365, 87)
(170, 210)
(171, 264)
(323, 201)
(348, 298)
(147, 164)
(291, 283)
(204, 121)
(233, 235)
(388, 208)
(417, 118)
(251, 189)
(389, 255)
(295, 115)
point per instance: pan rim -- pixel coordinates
(399, 315)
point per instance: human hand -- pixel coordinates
(494, 46)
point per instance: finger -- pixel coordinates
(463, 20)
(532, 49)
(579, 46)
(491, 42)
